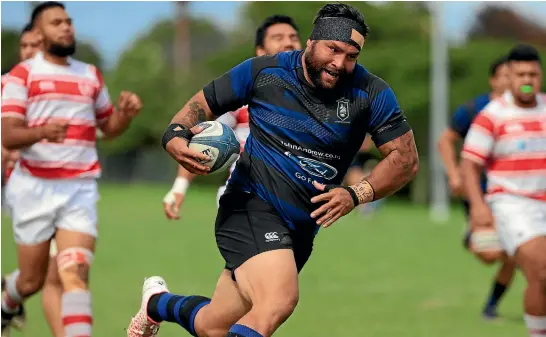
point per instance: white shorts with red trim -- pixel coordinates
(518, 219)
(39, 207)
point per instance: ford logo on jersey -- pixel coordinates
(314, 167)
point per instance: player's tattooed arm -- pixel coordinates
(195, 111)
(399, 167)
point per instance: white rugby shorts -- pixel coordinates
(518, 219)
(39, 206)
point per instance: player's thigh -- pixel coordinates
(259, 248)
(518, 220)
(270, 281)
(531, 257)
(33, 206)
(76, 235)
(227, 306)
(79, 214)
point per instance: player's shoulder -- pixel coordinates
(85, 71)
(479, 102)
(498, 107)
(27, 65)
(368, 82)
(20, 72)
(284, 60)
(84, 67)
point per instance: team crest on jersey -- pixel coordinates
(342, 109)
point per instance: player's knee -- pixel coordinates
(278, 310)
(73, 264)
(30, 284)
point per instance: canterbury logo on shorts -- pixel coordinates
(271, 236)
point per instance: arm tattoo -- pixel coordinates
(195, 115)
(364, 191)
(397, 169)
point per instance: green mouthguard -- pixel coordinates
(526, 89)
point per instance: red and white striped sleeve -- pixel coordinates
(15, 92)
(479, 141)
(103, 104)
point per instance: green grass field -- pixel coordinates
(394, 275)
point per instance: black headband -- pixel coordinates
(339, 29)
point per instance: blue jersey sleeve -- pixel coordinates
(387, 121)
(461, 121)
(231, 90)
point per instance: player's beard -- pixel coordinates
(314, 71)
(62, 51)
(525, 100)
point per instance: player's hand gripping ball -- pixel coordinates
(219, 143)
(213, 147)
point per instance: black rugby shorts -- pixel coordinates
(247, 226)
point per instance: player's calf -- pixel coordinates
(52, 293)
(532, 260)
(503, 279)
(176, 309)
(24, 282)
(73, 264)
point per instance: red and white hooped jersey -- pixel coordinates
(42, 92)
(510, 142)
(9, 170)
(4, 80)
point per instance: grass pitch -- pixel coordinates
(396, 274)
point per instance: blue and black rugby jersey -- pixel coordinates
(298, 133)
(463, 117)
(465, 114)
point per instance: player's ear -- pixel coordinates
(491, 82)
(260, 51)
(309, 43)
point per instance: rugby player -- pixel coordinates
(277, 33)
(458, 129)
(508, 140)
(309, 113)
(29, 44)
(51, 106)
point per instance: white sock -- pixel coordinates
(11, 298)
(76, 313)
(536, 325)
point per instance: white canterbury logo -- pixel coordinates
(271, 236)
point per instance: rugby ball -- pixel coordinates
(218, 141)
